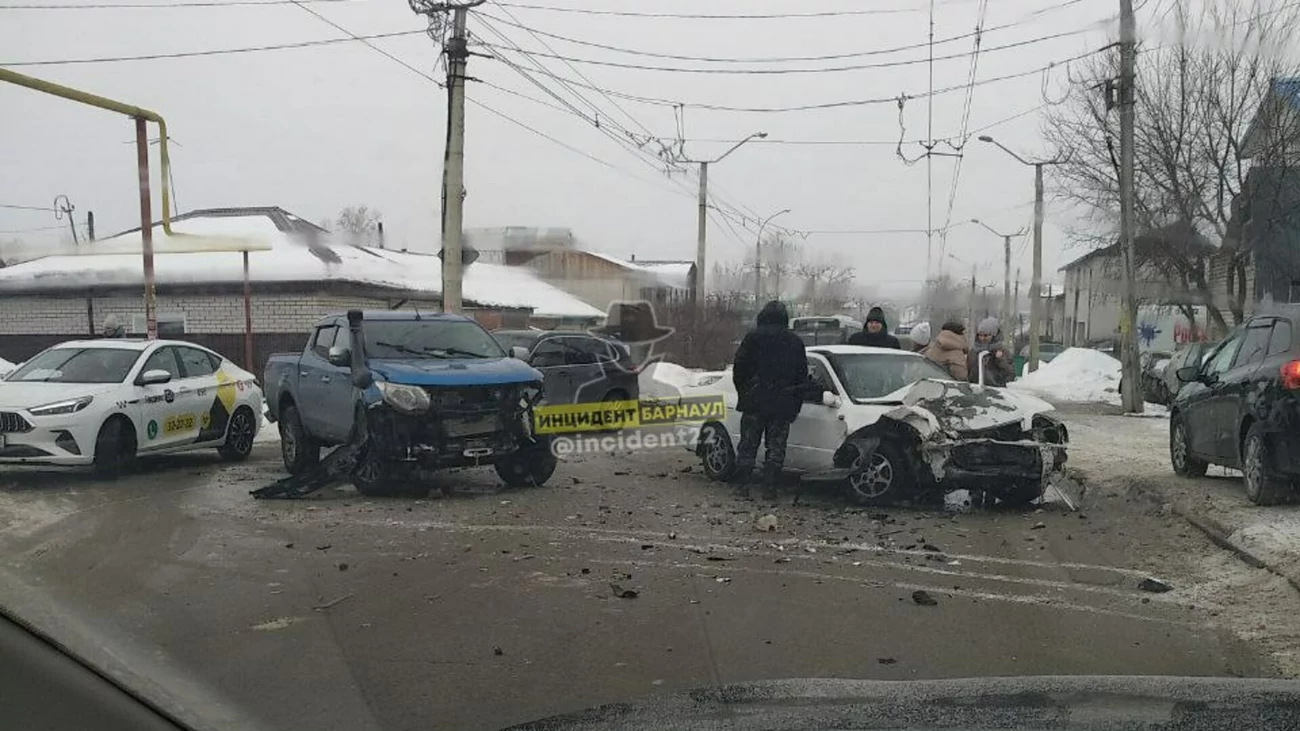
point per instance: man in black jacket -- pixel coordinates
(771, 378)
(875, 332)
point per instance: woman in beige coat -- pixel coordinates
(949, 350)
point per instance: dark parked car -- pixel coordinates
(824, 330)
(1046, 351)
(577, 367)
(1241, 408)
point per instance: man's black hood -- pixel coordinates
(877, 315)
(774, 313)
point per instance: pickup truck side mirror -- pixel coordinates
(340, 356)
(519, 352)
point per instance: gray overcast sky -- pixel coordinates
(319, 128)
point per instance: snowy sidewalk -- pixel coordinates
(1128, 455)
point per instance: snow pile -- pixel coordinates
(1078, 374)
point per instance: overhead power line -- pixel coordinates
(838, 103)
(16, 207)
(363, 41)
(214, 52)
(809, 70)
(164, 6)
(711, 16)
(783, 59)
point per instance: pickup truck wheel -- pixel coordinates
(298, 450)
(531, 466)
(373, 478)
(882, 477)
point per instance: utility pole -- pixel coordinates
(146, 228)
(1036, 279)
(1006, 268)
(1131, 395)
(453, 172)
(970, 308)
(701, 232)
(62, 207)
(453, 192)
(90, 225)
(758, 260)
(1016, 302)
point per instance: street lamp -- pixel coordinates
(758, 260)
(1036, 283)
(1006, 268)
(698, 292)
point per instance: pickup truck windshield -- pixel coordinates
(872, 376)
(429, 339)
(78, 365)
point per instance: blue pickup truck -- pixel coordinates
(428, 391)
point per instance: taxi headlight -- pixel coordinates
(70, 406)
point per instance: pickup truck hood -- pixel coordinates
(458, 372)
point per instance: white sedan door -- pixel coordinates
(162, 423)
(819, 430)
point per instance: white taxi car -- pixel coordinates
(103, 402)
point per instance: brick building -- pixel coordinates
(296, 276)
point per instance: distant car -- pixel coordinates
(825, 329)
(1241, 406)
(105, 402)
(1192, 354)
(577, 367)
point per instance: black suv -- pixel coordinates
(1241, 408)
(576, 367)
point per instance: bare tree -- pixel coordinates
(360, 222)
(826, 281)
(1196, 96)
(780, 262)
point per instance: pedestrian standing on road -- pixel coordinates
(998, 370)
(948, 350)
(771, 378)
(875, 332)
(920, 336)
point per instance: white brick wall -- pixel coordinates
(203, 313)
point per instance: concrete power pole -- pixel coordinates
(702, 225)
(453, 192)
(1132, 394)
(1036, 281)
(1006, 280)
(970, 308)
(453, 172)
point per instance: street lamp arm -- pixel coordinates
(759, 135)
(995, 232)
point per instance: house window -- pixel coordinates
(170, 324)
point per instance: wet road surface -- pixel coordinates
(497, 606)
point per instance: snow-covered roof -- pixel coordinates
(676, 274)
(288, 256)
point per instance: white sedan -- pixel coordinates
(103, 402)
(890, 425)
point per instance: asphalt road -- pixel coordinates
(495, 606)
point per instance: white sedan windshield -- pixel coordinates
(873, 375)
(78, 365)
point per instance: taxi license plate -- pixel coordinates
(471, 427)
